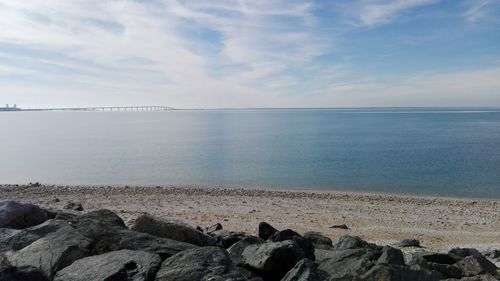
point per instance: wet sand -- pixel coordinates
(439, 223)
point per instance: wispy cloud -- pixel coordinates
(216, 53)
(373, 13)
(478, 9)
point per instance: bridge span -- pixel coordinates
(106, 108)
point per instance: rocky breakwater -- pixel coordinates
(40, 245)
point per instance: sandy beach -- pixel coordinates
(439, 223)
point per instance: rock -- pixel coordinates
(349, 263)
(304, 270)
(23, 273)
(236, 250)
(227, 238)
(288, 234)
(108, 233)
(103, 227)
(53, 251)
(438, 258)
(164, 247)
(391, 256)
(319, 241)
(353, 242)
(203, 263)
(18, 239)
(340, 226)
(447, 270)
(408, 243)
(172, 230)
(492, 254)
(272, 260)
(18, 215)
(392, 272)
(266, 230)
(214, 227)
(476, 265)
(123, 265)
(74, 206)
(322, 254)
(460, 253)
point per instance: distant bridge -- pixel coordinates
(106, 108)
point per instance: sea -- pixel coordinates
(451, 152)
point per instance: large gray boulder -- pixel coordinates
(18, 215)
(13, 240)
(350, 263)
(391, 256)
(391, 272)
(476, 265)
(173, 230)
(53, 252)
(23, 273)
(123, 265)
(236, 250)
(142, 241)
(109, 233)
(353, 242)
(304, 270)
(203, 263)
(272, 260)
(319, 241)
(266, 230)
(288, 234)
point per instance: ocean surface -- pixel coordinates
(444, 152)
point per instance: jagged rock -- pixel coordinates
(392, 272)
(460, 253)
(124, 265)
(272, 260)
(23, 273)
(304, 270)
(266, 230)
(447, 270)
(391, 256)
(319, 241)
(74, 206)
(439, 258)
(214, 227)
(18, 215)
(408, 243)
(350, 263)
(19, 239)
(203, 263)
(164, 247)
(288, 234)
(108, 233)
(322, 254)
(476, 265)
(236, 250)
(173, 230)
(53, 251)
(353, 242)
(227, 238)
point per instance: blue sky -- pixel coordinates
(282, 53)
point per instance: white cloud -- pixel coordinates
(105, 39)
(378, 12)
(477, 9)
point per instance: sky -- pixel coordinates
(258, 53)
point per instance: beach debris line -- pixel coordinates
(66, 245)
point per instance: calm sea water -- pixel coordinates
(420, 151)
